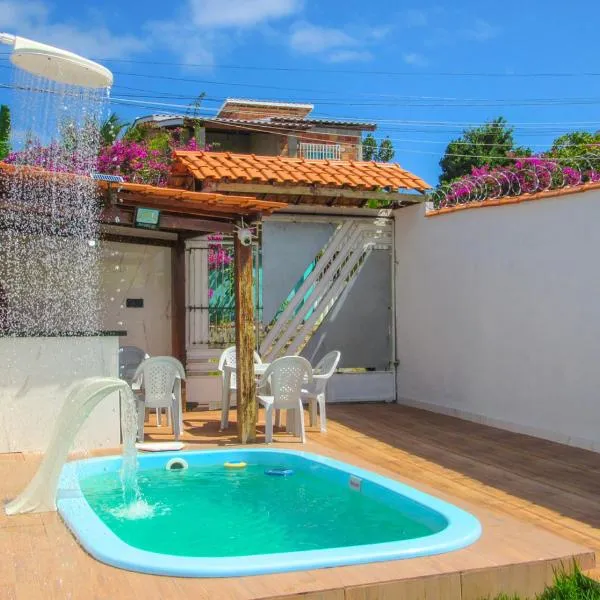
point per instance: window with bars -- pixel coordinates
(319, 151)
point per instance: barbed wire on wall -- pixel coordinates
(527, 176)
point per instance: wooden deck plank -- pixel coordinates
(496, 475)
(444, 460)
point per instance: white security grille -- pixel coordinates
(210, 301)
(320, 151)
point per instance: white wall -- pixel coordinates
(289, 246)
(498, 315)
(137, 271)
(36, 376)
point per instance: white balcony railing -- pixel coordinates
(319, 151)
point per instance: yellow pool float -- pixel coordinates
(235, 465)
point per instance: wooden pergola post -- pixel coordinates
(178, 300)
(244, 343)
(178, 309)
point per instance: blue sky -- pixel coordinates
(414, 68)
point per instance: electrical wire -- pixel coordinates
(404, 150)
(306, 137)
(403, 100)
(484, 74)
(392, 125)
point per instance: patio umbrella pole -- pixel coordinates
(244, 342)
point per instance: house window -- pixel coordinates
(320, 151)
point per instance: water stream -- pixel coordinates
(50, 267)
(134, 505)
(50, 270)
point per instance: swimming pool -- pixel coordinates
(210, 521)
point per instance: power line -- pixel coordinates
(419, 126)
(345, 71)
(406, 100)
(308, 138)
(403, 101)
(538, 127)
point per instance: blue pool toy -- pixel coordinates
(279, 472)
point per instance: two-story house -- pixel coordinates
(271, 129)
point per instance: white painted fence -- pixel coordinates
(498, 315)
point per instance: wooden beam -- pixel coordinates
(112, 215)
(272, 190)
(141, 241)
(178, 301)
(192, 208)
(244, 343)
(168, 222)
(181, 223)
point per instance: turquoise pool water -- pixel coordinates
(213, 511)
(208, 521)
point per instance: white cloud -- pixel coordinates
(415, 59)
(313, 39)
(332, 44)
(481, 31)
(93, 42)
(13, 14)
(341, 56)
(32, 19)
(478, 30)
(189, 43)
(240, 13)
(195, 33)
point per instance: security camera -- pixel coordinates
(245, 236)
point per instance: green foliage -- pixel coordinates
(4, 131)
(575, 145)
(370, 151)
(386, 150)
(158, 138)
(161, 141)
(111, 129)
(369, 147)
(139, 133)
(575, 586)
(194, 108)
(489, 144)
(567, 586)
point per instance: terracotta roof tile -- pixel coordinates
(279, 170)
(180, 199)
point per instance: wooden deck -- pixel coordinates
(537, 501)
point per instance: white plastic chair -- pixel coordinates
(130, 358)
(161, 384)
(228, 358)
(316, 393)
(286, 376)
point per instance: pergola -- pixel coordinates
(186, 214)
